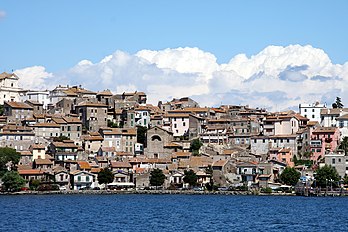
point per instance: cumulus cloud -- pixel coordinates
(276, 78)
(35, 77)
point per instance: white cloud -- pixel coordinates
(276, 78)
(34, 77)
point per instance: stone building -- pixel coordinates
(158, 140)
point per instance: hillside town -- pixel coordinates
(69, 134)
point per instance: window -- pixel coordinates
(255, 141)
(174, 125)
(183, 124)
(305, 110)
(274, 140)
(145, 121)
(69, 128)
(78, 128)
(312, 110)
(288, 140)
(313, 116)
(333, 161)
(79, 178)
(263, 140)
(339, 160)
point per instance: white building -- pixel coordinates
(312, 111)
(142, 117)
(177, 123)
(9, 90)
(38, 96)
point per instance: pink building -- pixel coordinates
(323, 139)
(283, 155)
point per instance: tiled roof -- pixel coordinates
(30, 172)
(117, 164)
(84, 165)
(8, 75)
(19, 105)
(220, 163)
(43, 162)
(325, 130)
(91, 104)
(46, 124)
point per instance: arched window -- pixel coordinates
(156, 137)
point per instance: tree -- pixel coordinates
(157, 177)
(326, 175)
(290, 176)
(190, 177)
(344, 144)
(12, 181)
(9, 157)
(141, 135)
(338, 102)
(105, 176)
(195, 146)
(112, 124)
(61, 138)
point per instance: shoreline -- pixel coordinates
(146, 192)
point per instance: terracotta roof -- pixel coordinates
(181, 154)
(176, 116)
(117, 164)
(19, 105)
(65, 145)
(72, 120)
(25, 153)
(119, 131)
(172, 145)
(84, 165)
(325, 130)
(8, 75)
(46, 124)
(30, 172)
(43, 162)
(312, 123)
(31, 102)
(91, 104)
(38, 146)
(220, 163)
(108, 149)
(59, 120)
(94, 138)
(95, 170)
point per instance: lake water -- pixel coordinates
(172, 213)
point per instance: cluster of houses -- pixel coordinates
(70, 133)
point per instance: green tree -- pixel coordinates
(60, 138)
(290, 176)
(9, 157)
(112, 124)
(195, 146)
(12, 181)
(338, 102)
(34, 184)
(105, 176)
(190, 177)
(1, 109)
(157, 177)
(141, 135)
(344, 144)
(345, 180)
(326, 175)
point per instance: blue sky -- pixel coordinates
(58, 34)
(272, 54)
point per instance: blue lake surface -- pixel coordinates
(172, 213)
